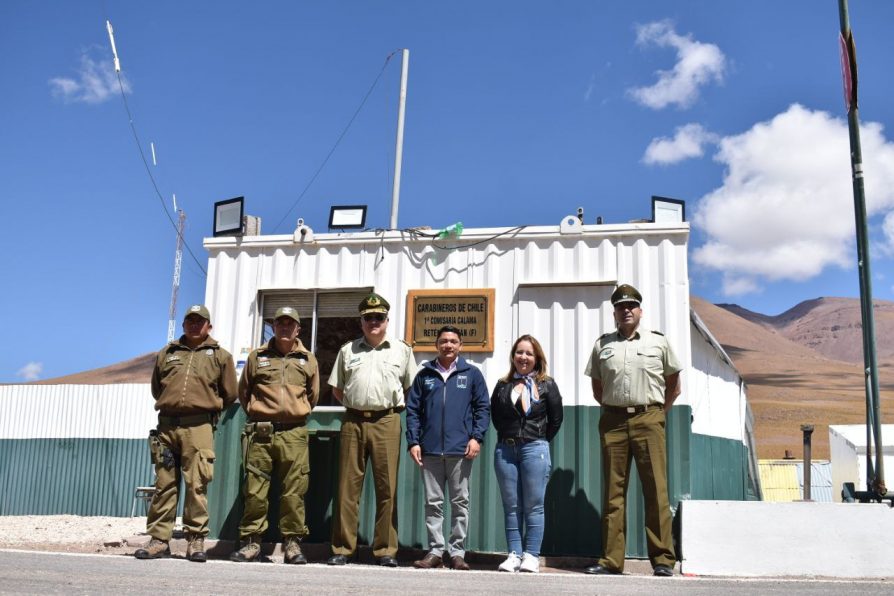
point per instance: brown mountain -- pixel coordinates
(135, 370)
(790, 382)
(831, 326)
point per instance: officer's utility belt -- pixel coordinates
(632, 409)
(373, 414)
(191, 420)
(268, 428)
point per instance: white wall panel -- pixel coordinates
(124, 411)
(581, 269)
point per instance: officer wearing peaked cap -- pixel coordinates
(193, 380)
(370, 376)
(635, 377)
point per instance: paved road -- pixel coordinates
(57, 573)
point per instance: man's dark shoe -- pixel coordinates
(459, 563)
(429, 561)
(156, 549)
(386, 561)
(337, 560)
(598, 569)
(663, 571)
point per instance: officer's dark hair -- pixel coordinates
(449, 329)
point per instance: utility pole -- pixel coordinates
(175, 286)
(399, 148)
(875, 480)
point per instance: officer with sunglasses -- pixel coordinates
(369, 377)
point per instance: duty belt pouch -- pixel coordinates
(263, 432)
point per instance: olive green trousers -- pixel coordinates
(641, 438)
(283, 455)
(185, 452)
(376, 440)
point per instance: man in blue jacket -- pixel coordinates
(448, 412)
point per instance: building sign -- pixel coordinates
(470, 311)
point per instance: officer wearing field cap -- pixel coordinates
(193, 380)
(636, 378)
(370, 377)
(278, 389)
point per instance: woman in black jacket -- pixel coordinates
(526, 410)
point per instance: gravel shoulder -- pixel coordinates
(72, 533)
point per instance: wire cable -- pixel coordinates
(337, 141)
(164, 207)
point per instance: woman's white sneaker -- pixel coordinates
(529, 563)
(511, 564)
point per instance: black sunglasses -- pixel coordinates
(374, 317)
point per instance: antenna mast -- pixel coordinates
(175, 286)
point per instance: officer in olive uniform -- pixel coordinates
(278, 389)
(194, 379)
(635, 377)
(369, 377)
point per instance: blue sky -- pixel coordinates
(518, 113)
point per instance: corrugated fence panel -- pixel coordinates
(72, 476)
(719, 468)
(573, 494)
(125, 411)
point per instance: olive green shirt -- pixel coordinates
(188, 381)
(279, 387)
(373, 378)
(632, 371)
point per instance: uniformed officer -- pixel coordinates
(193, 380)
(369, 377)
(635, 377)
(279, 387)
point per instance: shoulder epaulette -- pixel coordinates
(405, 343)
(606, 334)
(657, 333)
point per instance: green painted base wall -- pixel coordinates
(98, 477)
(72, 476)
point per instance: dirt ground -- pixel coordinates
(72, 533)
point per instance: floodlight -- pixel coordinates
(228, 217)
(347, 216)
(666, 210)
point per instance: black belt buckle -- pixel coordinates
(512, 441)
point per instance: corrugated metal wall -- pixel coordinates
(571, 272)
(573, 498)
(77, 449)
(72, 476)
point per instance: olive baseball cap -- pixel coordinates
(287, 311)
(626, 293)
(374, 303)
(198, 309)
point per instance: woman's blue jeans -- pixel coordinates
(522, 472)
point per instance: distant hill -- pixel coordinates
(790, 380)
(135, 370)
(831, 326)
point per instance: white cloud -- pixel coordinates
(688, 142)
(31, 371)
(697, 65)
(785, 209)
(94, 82)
